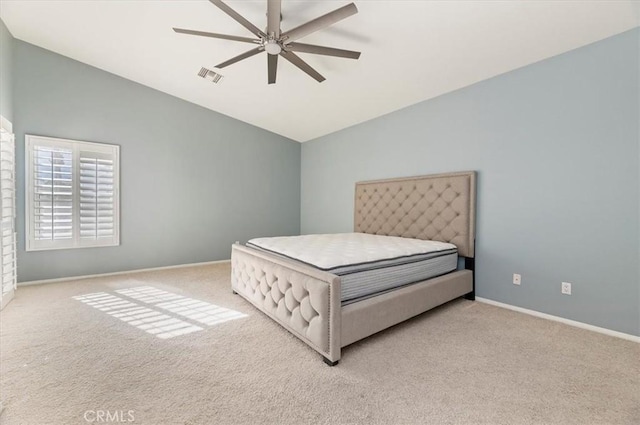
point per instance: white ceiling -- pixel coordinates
(411, 50)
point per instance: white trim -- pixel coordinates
(6, 297)
(569, 322)
(6, 124)
(90, 276)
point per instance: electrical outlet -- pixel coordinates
(517, 279)
(566, 288)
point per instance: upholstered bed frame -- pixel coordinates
(306, 301)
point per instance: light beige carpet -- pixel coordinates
(464, 363)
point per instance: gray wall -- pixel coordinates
(6, 85)
(192, 181)
(556, 148)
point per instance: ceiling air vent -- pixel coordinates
(210, 75)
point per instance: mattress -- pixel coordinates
(367, 264)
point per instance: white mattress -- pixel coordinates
(368, 264)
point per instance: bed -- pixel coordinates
(308, 300)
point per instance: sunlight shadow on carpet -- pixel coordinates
(153, 321)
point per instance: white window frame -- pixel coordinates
(76, 146)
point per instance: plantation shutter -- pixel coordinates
(97, 208)
(7, 216)
(73, 198)
(52, 193)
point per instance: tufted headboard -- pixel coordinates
(438, 207)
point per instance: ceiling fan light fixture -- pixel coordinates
(277, 43)
(272, 47)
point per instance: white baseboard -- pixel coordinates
(574, 323)
(89, 276)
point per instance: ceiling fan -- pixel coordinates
(278, 43)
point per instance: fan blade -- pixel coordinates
(272, 67)
(321, 50)
(240, 57)
(295, 59)
(320, 23)
(273, 18)
(239, 18)
(214, 35)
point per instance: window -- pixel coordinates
(72, 194)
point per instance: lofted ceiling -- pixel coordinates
(411, 50)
